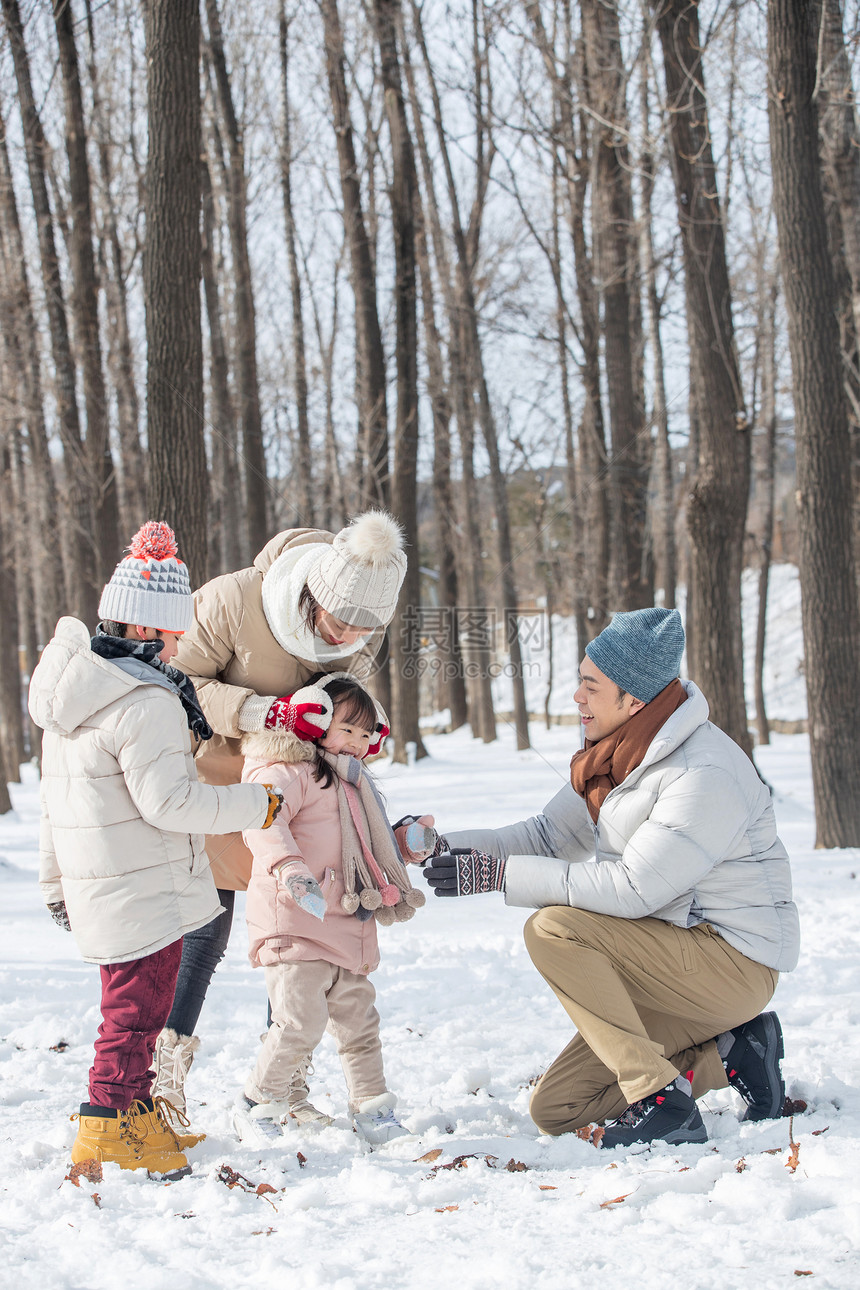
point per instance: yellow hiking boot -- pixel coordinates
(171, 1116)
(128, 1139)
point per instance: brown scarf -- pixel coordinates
(600, 766)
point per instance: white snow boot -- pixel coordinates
(259, 1124)
(302, 1110)
(174, 1054)
(375, 1121)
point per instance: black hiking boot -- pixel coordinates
(669, 1115)
(752, 1065)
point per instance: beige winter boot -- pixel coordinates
(174, 1054)
(302, 1110)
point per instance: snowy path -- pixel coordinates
(467, 1023)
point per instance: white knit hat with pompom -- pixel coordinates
(150, 587)
(358, 578)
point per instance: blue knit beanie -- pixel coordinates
(640, 651)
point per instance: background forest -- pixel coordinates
(572, 288)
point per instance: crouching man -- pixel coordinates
(122, 858)
(667, 946)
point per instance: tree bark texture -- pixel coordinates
(85, 302)
(247, 385)
(831, 622)
(178, 481)
(717, 499)
(373, 414)
(81, 573)
(618, 283)
(405, 640)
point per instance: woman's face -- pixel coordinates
(335, 632)
(345, 736)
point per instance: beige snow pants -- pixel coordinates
(307, 997)
(648, 1000)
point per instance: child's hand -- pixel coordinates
(59, 914)
(304, 889)
(416, 838)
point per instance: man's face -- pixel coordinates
(600, 709)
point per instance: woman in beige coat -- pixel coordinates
(312, 601)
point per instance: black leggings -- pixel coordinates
(202, 951)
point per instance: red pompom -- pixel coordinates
(154, 541)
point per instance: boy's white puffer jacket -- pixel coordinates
(123, 813)
(689, 837)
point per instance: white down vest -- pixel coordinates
(123, 813)
(689, 837)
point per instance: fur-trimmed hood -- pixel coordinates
(277, 745)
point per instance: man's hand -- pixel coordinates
(465, 872)
(60, 915)
(276, 801)
(303, 887)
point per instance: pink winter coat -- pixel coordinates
(307, 829)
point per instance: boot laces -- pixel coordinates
(133, 1127)
(169, 1115)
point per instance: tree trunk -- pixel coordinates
(81, 574)
(717, 500)
(831, 622)
(405, 641)
(18, 325)
(11, 722)
(178, 482)
(303, 476)
(373, 417)
(227, 518)
(248, 391)
(614, 229)
(85, 303)
(767, 477)
(132, 478)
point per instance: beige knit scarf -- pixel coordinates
(374, 875)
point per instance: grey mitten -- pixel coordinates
(60, 915)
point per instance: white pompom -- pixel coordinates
(373, 538)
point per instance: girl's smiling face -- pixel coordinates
(345, 736)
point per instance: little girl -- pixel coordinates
(322, 877)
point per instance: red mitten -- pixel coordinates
(307, 713)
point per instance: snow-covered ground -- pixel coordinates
(467, 1025)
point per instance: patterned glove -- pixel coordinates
(60, 915)
(382, 733)
(465, 872)
(416, 838)
(304, 889)
(304, 713)
(276, 801)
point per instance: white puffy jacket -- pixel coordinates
(123, 813)
(689, 837)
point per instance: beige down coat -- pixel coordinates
(123, 813)
(307, 829)
(230, 654)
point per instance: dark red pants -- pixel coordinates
(136, 1000)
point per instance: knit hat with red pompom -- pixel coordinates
(150, 587)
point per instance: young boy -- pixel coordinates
(122, 859)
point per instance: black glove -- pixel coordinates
(59, 915)
(465, 872)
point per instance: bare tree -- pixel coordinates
(831, 621)
(178, 479)
(717, 496)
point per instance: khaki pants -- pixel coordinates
(306, 998)
(648, 1000)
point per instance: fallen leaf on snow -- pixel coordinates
(447, 1209)
(263, 1188)
(303, 1160)
(96, 1199)
(429, 1157)
(793, 1107)
(547, 1187)
(816, 1133)
(798, 1272)
(263, 1231)
(90, 1169)
(516, 1166)
(741, 1165)
(616, 1200)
